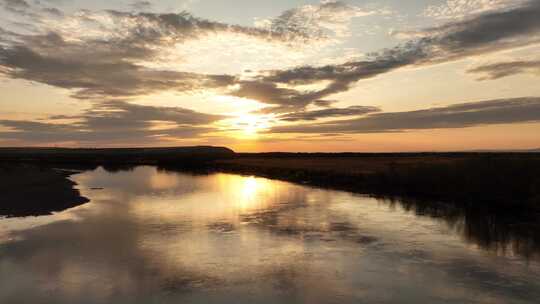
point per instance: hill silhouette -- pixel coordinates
(115, 155)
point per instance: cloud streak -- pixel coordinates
(114, 121)
(505, 69)
(328, 113)
(99, 78)
(501, 111)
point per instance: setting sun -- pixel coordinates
(249, 125)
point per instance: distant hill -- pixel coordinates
(116, 155)
(508, 151)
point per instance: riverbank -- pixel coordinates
(507, 182)
(29, 190)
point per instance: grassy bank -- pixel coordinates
(28, 190)
(492, 180)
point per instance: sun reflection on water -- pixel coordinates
(249, 188)
(247, 193)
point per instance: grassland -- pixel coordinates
(499, 180)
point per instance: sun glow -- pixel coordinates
(249, 125)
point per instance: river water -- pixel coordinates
(155, 236)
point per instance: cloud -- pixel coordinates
(100, 77)
(316, 20)
(108, 114)
(181, 26)
(459, 9)
(485, 33)
(53, 11)
(282, 99)
(327, 113)
(504, 69)
(155, 28)
(17, 4)
(482, 34)
(500, 111)
(111, 53)
(341, 77)
(114, 121)
(17, 7)
(141, 5)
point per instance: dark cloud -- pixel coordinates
(15, 4)
(324, 103)
(101, 77)
(282, 99)
(501, 111)
(269, 88)
(315, 21)
(18, 7)
(113, 120)
(489, 32)
(53, 11)
(177, 27)
(327, 113)
(114, 113)
(505, 69)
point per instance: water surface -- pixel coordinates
(151, 236)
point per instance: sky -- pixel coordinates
(280, 75)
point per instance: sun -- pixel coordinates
(249, 125)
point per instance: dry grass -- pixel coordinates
(343, 165)
(502, 180)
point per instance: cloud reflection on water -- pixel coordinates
(157, 236)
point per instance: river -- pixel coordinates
(157, 236)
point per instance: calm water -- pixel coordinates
(153, 236)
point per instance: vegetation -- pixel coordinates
(504, 182)
(496, 179)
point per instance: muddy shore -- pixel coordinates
(29, 190)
